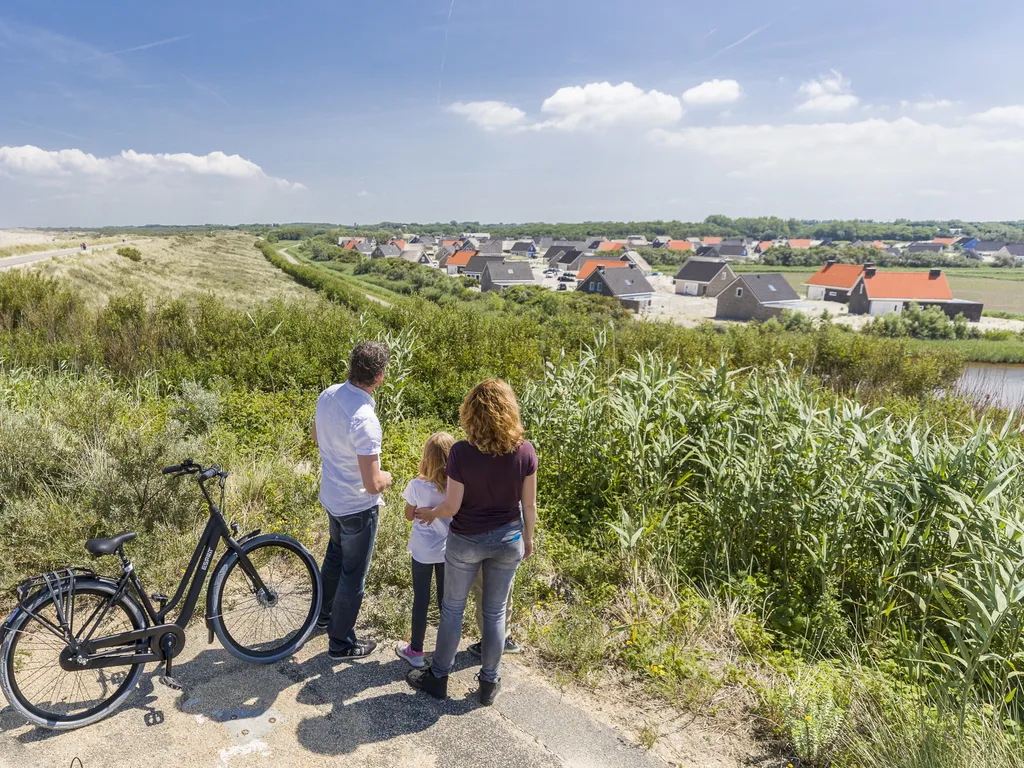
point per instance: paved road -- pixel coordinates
(310, 711)
(31, 258)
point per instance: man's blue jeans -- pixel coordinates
(344, 574)
(498, 553)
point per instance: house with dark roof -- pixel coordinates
(475, 266)
(708, 252)
(756, 297)
(492, 248)
(1012, 250)
(525, 248)
(365, 248)
(925, 248)
(557, 256)
(834, 281)
(628, 285)
(733, 251)
(881, 293)
(703, 277)
(386, 251)
(500, 275)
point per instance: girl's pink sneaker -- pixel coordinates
(405, 651)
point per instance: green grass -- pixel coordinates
(977, 350)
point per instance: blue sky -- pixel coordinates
(191, 112)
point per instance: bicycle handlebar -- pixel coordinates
(188, 465)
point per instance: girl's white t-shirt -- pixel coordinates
(427, 541)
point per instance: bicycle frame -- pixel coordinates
(87, 652)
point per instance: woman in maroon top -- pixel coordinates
(492, 500)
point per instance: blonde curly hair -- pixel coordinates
(434, 461)
(490, 417)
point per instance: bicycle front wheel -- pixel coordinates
(268, 624)
(30, 673)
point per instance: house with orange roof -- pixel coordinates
(712, 240)
(764, 245)
(611, 245)
(881, 293)
(679, 245)
(800, 244)
(834, 282)
(591, 264)
(945, 241)
(456, 263)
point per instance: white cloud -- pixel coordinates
(829, 93)
(713, 92)
(884, 153)
(363, 193)
(927, 105)
(1012, 115)
(489, 115)
(603, 104)
(29, 160)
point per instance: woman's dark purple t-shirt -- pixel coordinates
(494, 486)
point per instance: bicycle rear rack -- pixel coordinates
(60, 585)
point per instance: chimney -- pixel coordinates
(829, 263)
(934, 274)
(869, 271)
(869, 265)
(600, 267)
(632, 265)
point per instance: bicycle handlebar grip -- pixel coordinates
(209, 474)
(171, 469)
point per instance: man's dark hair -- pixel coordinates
(367, 362)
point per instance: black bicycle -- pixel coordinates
(75, 646)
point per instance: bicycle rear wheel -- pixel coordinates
(264, 627)
(30, 673)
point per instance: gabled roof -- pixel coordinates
(611, 245)
(640, 261)
(679, 245)
(624, 282)
(492, 247)
(843, 276)
(509, 272)
(460, 258)
(733, 250)
(768, 287)
(449, 242)
(878, 244)
(700, 270)
(989, 245)
(1015, 249)
(365, 248)
(925, 247)
(388, 250)
(908, 286)
(944, 240)
(800, 243)
(479, 261)
(712, 240)
(414, 255)
(711, 251)
(397, 242)
(591, 264)
(523, 246)
(764, 245)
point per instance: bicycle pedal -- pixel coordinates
(170, 682)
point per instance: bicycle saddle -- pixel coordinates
(110, 544)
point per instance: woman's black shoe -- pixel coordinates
(488, 691)
(424, 680)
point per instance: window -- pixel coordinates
(772, 288)
(739, 293)
(591, 289)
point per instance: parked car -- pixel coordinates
(567, 278)
(562, 287)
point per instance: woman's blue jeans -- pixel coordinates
(498, 553)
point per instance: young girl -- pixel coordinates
(427, 540)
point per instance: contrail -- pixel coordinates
(444, 51)
(143, 47)
(709, 34)
(742, 40)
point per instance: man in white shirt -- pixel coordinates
(348, 434)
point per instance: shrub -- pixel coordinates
(130, 252)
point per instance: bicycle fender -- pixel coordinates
(16, 613)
